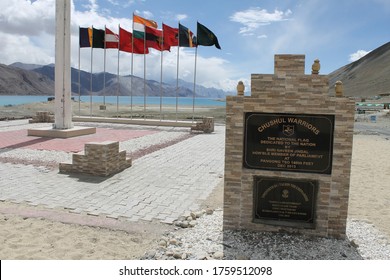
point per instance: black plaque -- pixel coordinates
(289, 202)
(289, 142)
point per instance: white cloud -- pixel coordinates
(93, 6)
(27, 30)
(357, 55)
(122, 3)
(253, 18)
(145, 14)
(26, 18)
(181, 17)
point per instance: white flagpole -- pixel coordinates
(193, 99)
(79, 74)
(104, 68)
(132, 72)
(131, 83)
(161, 74)
(90, 92)
(144, 72)
(177, 72)
(118, 77)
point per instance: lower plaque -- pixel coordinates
(281, 201)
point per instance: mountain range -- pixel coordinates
(367, 77)
(31, 79)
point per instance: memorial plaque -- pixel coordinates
(282, 201)
(289, 142)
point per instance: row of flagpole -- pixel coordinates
(204, 37)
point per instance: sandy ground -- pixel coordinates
(369, 198)
(37, 233)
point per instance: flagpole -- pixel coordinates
(177, 72)
(193, 99)
(144, 73)
(118, 77)
(90, 92)
(79, 74)
(132, 72)
(161, 74)
(131, 83)
(104, 68)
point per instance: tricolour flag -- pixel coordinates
(186, 37)
(139, 24)
(129, 44)
(111, 39)
(85, 37)
(154, 39)
(205, 37)
(171, 36)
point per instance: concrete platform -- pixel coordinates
(61, 133)
(134, 121)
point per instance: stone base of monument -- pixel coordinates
(42, 117)
(61, 133)
(99, 159)
(206, 126)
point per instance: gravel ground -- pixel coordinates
(206, 240)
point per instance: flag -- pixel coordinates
(171, 36)
(129, 44)
(186, 37)
(97, 38)
(91, 37)
(205, 37)
(111, 39)
(85, 37)
(154, 39)
(139, 24)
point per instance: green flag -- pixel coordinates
(205, 37)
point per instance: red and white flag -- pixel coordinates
(111, 39)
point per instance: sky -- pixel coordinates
(250, 33)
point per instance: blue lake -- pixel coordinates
(7, 100)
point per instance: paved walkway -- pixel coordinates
(159, 186)
(19, 139)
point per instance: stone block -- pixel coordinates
(99, 158)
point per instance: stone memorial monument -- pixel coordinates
(288, 153)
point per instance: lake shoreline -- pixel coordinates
(113, 110)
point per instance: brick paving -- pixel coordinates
(161, 185)
(19, 139)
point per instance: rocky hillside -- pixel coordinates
(17, 81)
(126, 84)
(367, 77)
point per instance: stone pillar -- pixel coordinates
(208, 125)
(240, 88)
(315, 68)
(339, 89)
(63, 106)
